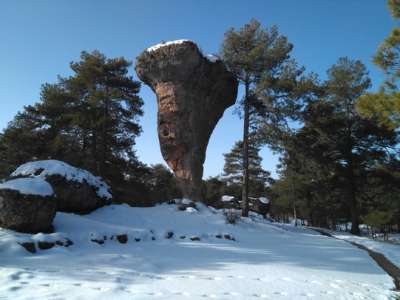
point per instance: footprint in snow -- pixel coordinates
(260, 295)
(186, 294)
(21, 275)
(264, 279)
(335, 286)
(216, 278)
(328, 292)
(309, 295)
(167, 278)
(100, 288)
(338, 281)
(232, 294)
(281, 293)
(155, 294)
(286, 279)
(14, 288)
(357, 295)
(213, 296)
(188, 277)
(45, 284)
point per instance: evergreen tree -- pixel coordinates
(337, 138)
(162, 184)
(388, 54)
(248, 53)
(233, 175)
(89, 119)
(385, 105)
(382, 106)
(213, 189)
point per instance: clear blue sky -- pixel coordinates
(39, 38)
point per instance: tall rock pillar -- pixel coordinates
(193, 92)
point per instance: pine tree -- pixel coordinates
(382, 106)
(89, 119)
(385, 105)
(162, 184)
(336, 137)
(388, 55)
(233, 175)
(249, 53)
(213, 189)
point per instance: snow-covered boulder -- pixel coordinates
(259, 205)
(76, 190)
(27, 205)
(227, 202)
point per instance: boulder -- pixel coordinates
(227, 202)
(259, 205)
(27, 205)
(29, 246)
(76, 190)
(122, 238)
(193, 92)
(75, 197)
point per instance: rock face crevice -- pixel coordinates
(192, 95)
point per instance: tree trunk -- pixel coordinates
(293, 196)
(96, 165)
(104, 137)
(246, 125)
(355, 218)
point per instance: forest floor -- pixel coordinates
(121, 252)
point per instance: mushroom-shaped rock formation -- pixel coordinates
(193, 92)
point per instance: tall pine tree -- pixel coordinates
(248, 53)
(338, 139)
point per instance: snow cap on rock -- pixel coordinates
(44, 168)
(29, 186)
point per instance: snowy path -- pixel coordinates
(391, 251)
(389, 263)
(265, 262)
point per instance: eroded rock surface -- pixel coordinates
(193, 92)
(26, 213)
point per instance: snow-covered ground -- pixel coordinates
(264, 260)
(391, 251)
(394, 237)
